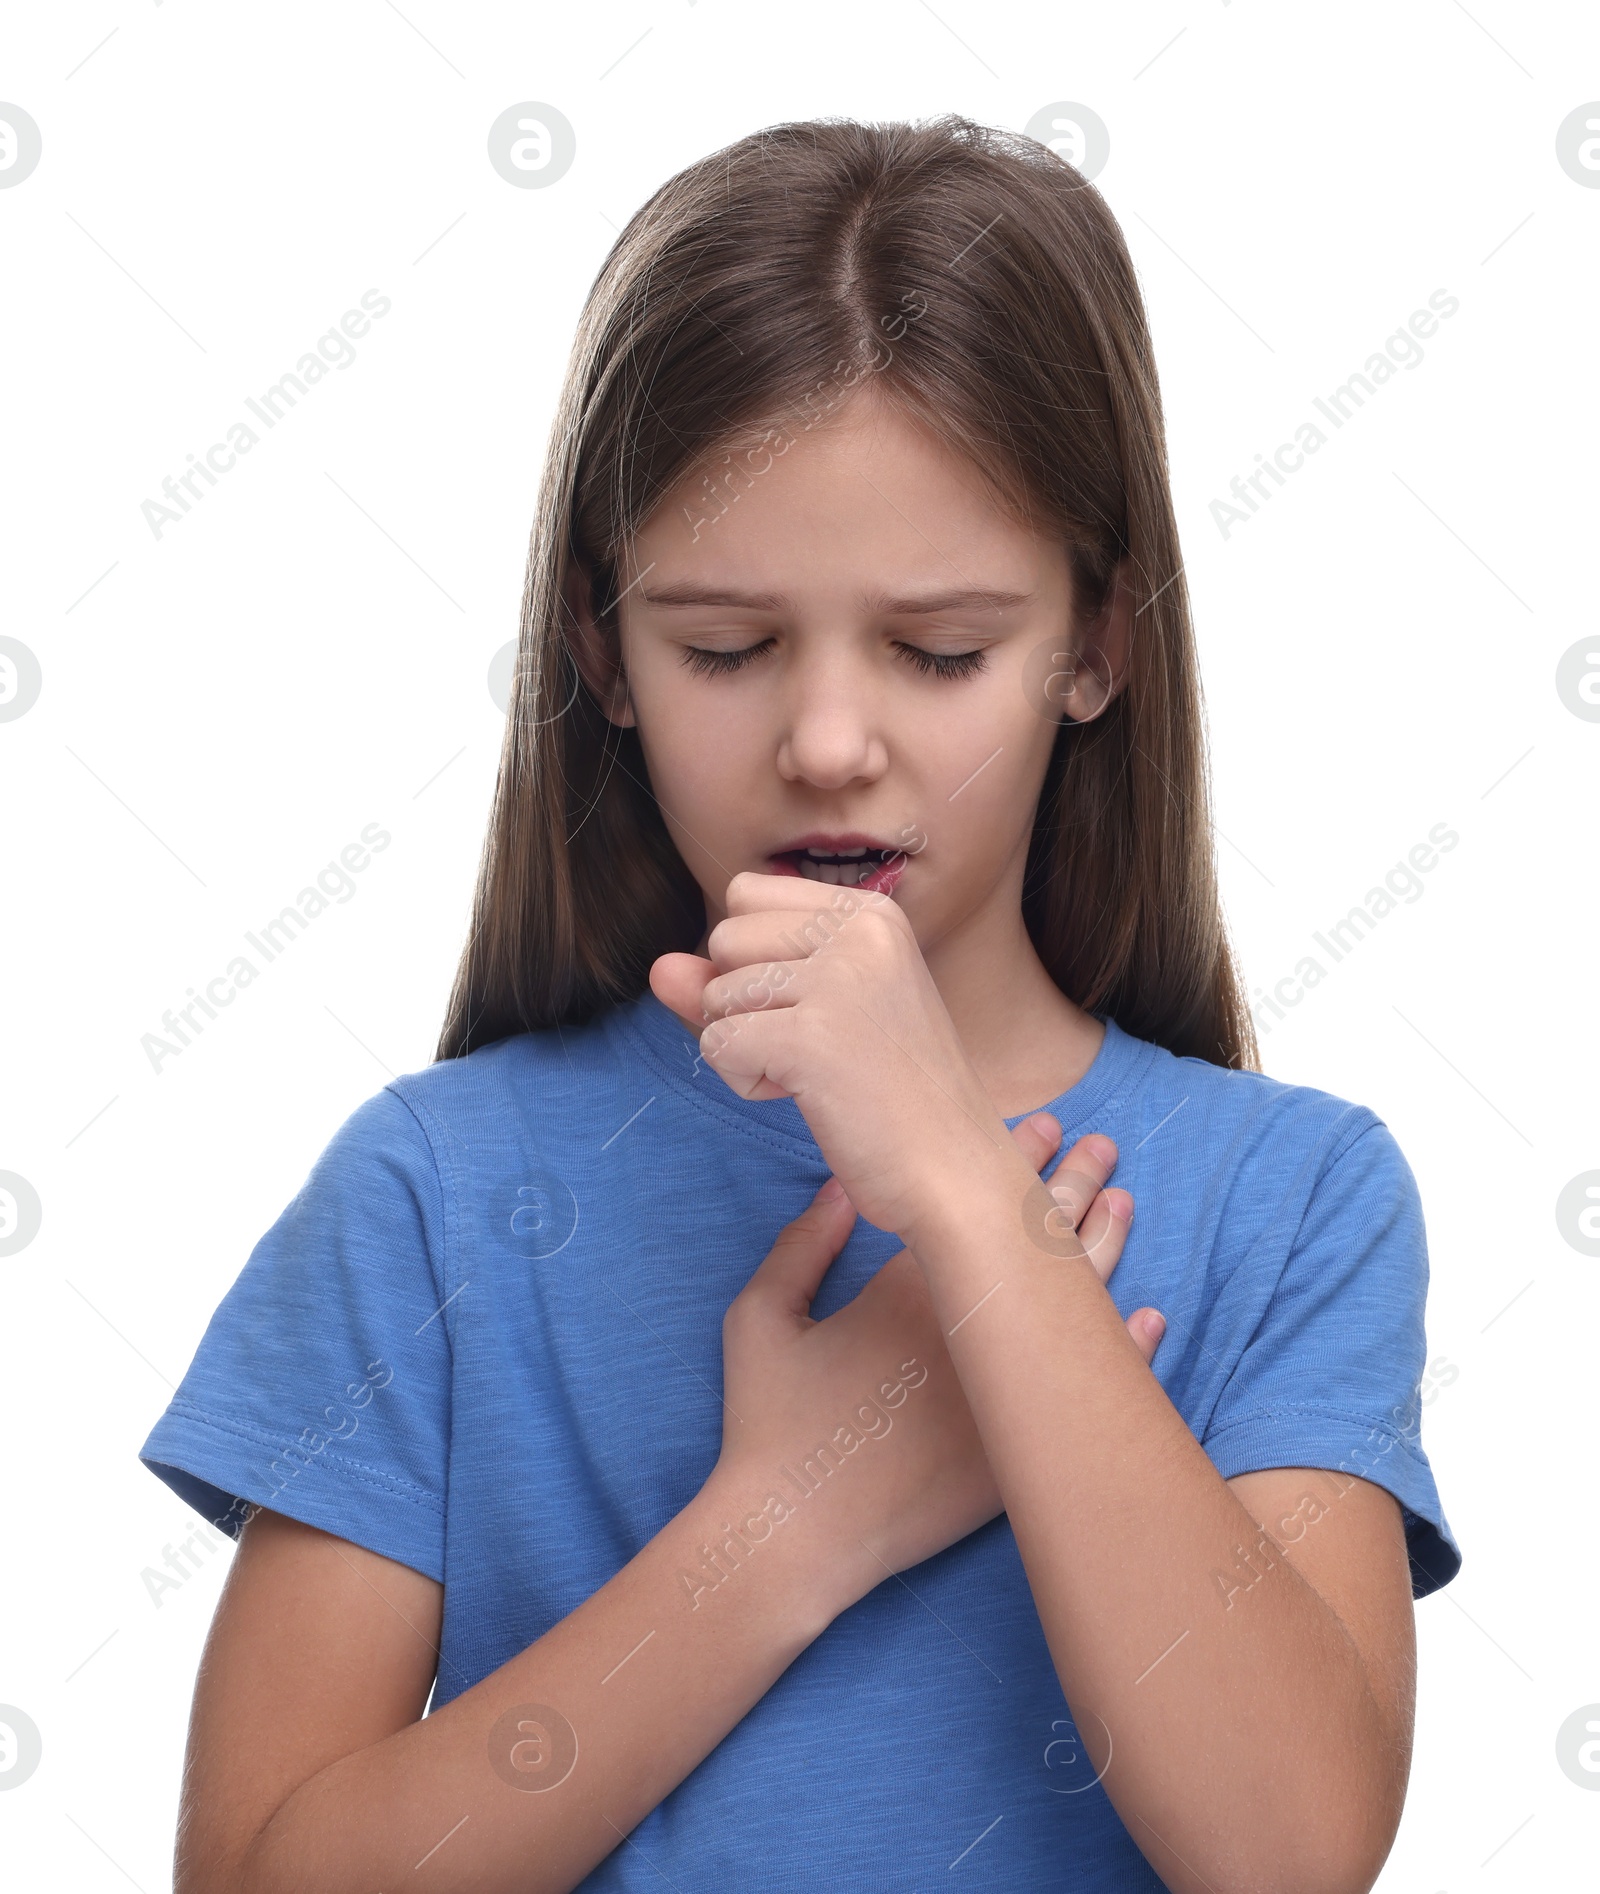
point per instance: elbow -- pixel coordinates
(1338, 1848)
(1346, 1873)
(1342, 1852)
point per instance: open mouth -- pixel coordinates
(875, 869)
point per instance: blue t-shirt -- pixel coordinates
(485, 1339)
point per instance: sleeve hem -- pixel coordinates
(1336, 1441)
(183, 1409)
(205, 1461)
(1296, 1413)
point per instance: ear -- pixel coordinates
(598, 666)
(1104, 648)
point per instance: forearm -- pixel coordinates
(1245, 1748)
(625, 1696)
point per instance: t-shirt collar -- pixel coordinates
(675, 1053)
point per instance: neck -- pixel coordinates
(1027, 1041)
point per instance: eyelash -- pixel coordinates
(930, 663)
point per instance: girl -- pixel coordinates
(735, 1531)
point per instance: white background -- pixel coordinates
(226, 707)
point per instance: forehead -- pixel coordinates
(866, 498)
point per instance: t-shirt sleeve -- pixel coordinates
(321, 1387)
(1333, 1375)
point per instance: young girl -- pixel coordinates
(715, 1390)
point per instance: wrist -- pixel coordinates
(1000, 1196)
(744, 1538)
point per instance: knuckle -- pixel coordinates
(718, 1036)
(811, 1030)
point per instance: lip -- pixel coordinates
(819, 838)
(883, 879)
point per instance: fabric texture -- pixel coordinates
(484, 1340)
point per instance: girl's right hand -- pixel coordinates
(864, 1409)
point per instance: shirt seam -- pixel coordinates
(447, 1285)
(763, 1134)
(1335, 1156)
(1335, 1152)
(358, 1470)
(1143, 1053)
(1320, 1411)
(1142, 1057)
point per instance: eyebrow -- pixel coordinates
(964, 598)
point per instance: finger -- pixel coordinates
(784, 917)
(1081, 1174)
(752, 987)
(679, 982)
(1104, 1230)
(787, 1278)
(749, 892)
(1037, 1138)
(1147, 1326)
(750, 1051)
(788, 933)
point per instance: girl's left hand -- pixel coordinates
(828, 1001)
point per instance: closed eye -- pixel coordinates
(945, 663)
(935, 663)
(720, 663)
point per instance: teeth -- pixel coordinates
(848, 874)
(830, 854)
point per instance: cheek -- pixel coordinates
(983, 765)
(705, 768)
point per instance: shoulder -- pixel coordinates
(1262, 1163)
(528, 1093)
(1243, 1119)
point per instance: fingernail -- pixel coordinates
(1121, 1208)
(1155, 1324)
(830, 1191)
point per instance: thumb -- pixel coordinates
(679, 981)
(1147, 1326)
(787, 1278)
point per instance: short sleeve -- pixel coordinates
(1333, 1375)
(321, 1387)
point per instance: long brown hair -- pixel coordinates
(747, 284)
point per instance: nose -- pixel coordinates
(831, 734)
